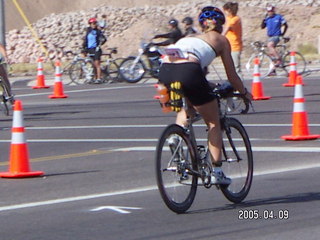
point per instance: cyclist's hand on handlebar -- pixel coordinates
(247, 98)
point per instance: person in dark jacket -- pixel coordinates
(188, 26)
(93, 41)
(173, 36)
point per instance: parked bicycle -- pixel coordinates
(268, 63)
(110, 67)
(133, 68)
(81, 68)
(179, 166)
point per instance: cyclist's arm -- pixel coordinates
(263, 24)
(165, 35)
(164, 43)
(285, 28)
(231, 71)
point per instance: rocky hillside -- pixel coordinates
(128, 25)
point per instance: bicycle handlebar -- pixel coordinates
(225, 91)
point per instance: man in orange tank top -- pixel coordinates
(233, 32)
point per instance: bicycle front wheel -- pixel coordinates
(132, 71)
(265, 67)
(238, 160)
(299, 59)
(175, 163)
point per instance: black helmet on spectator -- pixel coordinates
(188, 20)
(173, 22)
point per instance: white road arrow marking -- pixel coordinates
(118, 209)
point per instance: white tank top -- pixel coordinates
(198, 47)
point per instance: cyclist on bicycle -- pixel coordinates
(173, 36)
(93, 41)
(3, 71)
(274, 22)
(188, 26)
(199, 51)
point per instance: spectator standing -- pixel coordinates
(102, 23)
(93, 41)
(188, 26)
(233, 32)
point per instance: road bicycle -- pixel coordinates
(181, 165)
(81, 68)
(110, 67)
(268, 64)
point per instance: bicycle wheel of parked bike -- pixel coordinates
(299, 59)
(76, 72)
(110, 72)
(237, 160)
(132, 71)
(175, 160)
(4, 95)
(265, 67)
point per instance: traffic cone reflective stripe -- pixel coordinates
(300, 128)
(257, 88)
(40, 76)
(19, 156)
(293, 71)
(58, 86)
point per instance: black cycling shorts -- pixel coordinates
(195, 86)
(97, 54)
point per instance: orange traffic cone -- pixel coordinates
(19, 157)
(40, 76)
(293, 71)
(58, 86)
(257, 88)
(300, 128)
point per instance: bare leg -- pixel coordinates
(210, 114)
(98, 68)
(272, 50)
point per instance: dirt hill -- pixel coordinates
(36, 9)
(130, 20)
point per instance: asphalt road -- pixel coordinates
(96, 148)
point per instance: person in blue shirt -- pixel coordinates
(93, 41)
(274, 23)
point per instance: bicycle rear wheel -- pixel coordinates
(265, 67)
(175, 160)
(238, 160)
(3, 98)
(301, 62)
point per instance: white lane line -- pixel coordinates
(254, 149)
(133, 140)
(139, 190)
(152, 126)
(84, 90)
